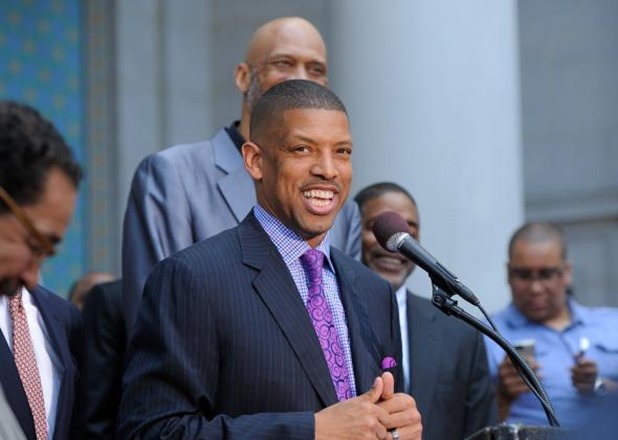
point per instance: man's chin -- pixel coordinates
(9, 288)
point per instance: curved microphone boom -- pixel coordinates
(391, 231)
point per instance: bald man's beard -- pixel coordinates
(254, 92)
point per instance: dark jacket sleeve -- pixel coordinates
(481, 408)
(105, 341)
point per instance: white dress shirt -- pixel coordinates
(402, 304)
(46, 358)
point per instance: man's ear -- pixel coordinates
(242, 77)
(252, 156)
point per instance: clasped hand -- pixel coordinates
(371, 415)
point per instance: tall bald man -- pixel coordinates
(190, 192)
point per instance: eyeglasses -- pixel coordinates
(45, 248)
(544, 275)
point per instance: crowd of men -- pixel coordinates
(243, 310)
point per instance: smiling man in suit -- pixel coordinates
(41, 332)
(190, 192)
(444, 360)
(265, 331)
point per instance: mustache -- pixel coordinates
(334, 186)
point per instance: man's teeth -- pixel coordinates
(319, 194)
(391, 260)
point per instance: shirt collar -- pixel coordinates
(579, 313)
(235, 135)
(287, 242)
(402, 295)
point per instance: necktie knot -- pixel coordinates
(15, 305)
(313, 262)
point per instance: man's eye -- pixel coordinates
(317, 70)
(282, 63)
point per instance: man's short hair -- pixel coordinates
(539, 232)
(292, 95)
(376, 190)
(30, 147)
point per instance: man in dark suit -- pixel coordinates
(41, 332)
(225, 345)
(105, 343)
(444, 360)
(190, 192)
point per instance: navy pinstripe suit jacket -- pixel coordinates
(223, 347)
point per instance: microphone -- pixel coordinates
(391, 231)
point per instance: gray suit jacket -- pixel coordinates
(449, 375)
(9, 428)
(235, 356)
(186, 194)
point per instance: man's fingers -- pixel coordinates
(375, 393)
(389, 386)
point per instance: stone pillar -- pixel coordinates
(164, 82)
(432, 89)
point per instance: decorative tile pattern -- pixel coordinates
(40, 64)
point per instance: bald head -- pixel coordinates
(280, 50)
(285, 32)
(539, 232)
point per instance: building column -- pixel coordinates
(161, 93)
(432, 89)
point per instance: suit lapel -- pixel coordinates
(424, 354)
(365, 352)
(14, 390)
(276, 288)
(236, 186)
(58, 341)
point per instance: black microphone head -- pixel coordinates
(386, 225)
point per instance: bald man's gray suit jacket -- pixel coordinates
(186, 194)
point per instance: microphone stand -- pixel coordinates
(447, 305)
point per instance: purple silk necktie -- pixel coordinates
(322, 319)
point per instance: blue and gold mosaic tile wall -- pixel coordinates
(40, 64)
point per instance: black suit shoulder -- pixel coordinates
(66, 311)
(67, 314)
(105, 343)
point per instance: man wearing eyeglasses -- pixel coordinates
(40, 331)
(573, 349)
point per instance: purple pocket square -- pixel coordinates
(388, 362)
